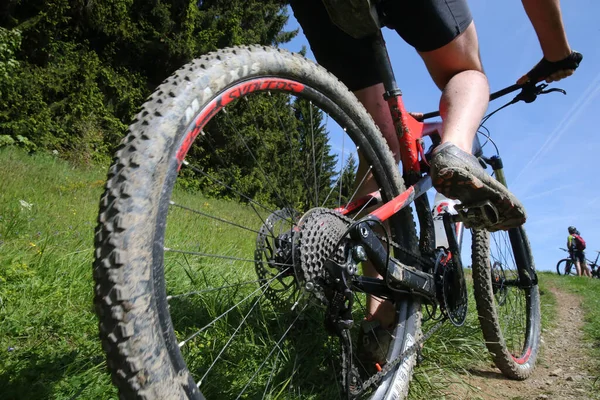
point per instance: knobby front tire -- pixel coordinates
(165, 250)
(509, 315)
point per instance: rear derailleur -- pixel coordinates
(338, 316)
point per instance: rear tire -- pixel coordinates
(566, 266)
(509, 315)
(133, 267)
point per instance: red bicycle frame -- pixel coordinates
(410, 135)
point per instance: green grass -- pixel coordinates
(48, 330)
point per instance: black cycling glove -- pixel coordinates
(545, 68)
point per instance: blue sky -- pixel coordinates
(550, 148)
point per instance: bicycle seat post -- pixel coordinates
(384, 66)
(408, 129)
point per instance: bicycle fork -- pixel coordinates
(521, 248)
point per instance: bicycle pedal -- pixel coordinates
(478, 215)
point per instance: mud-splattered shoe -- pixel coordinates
(458, 175)
(373, 345)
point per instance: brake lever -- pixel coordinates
(529, 93)
(554, 90)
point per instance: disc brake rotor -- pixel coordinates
(273, 259)
(498, 279)
(452, 288)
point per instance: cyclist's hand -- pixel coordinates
(552, 71)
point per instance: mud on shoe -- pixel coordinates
(458, 175)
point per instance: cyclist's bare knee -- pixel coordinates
(461, 54)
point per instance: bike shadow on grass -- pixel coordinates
(34, 375)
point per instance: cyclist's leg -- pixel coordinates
(457, 70)
(449, 47)
(577, 266)
(583, 265)
(372, 98)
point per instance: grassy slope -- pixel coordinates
(48, 339)
(48, 329)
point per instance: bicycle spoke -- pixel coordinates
(339, 179)
(293, 154)
(212, 289)
(182, 343)
(271, 352)
(356, 191)
(251, 201)
(228, 341)
(195, 253)
(512, 294)
(341, 173)
(213, 217)
(312, 133)
(264, 396)
(241, 139)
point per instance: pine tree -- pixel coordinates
(317, 161)
(85, 67)
(346, 182)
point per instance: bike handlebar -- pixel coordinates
(563, 249)
(505, 91)
(529, 92)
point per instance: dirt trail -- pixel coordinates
(562, 371)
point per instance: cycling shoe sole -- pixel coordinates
(462, 184)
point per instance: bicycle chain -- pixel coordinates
(393, 363)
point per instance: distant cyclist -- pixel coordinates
(576, 246)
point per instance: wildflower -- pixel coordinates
(25, 204)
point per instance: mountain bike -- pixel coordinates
(230, 240)
(594, 266)
(566, 266)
